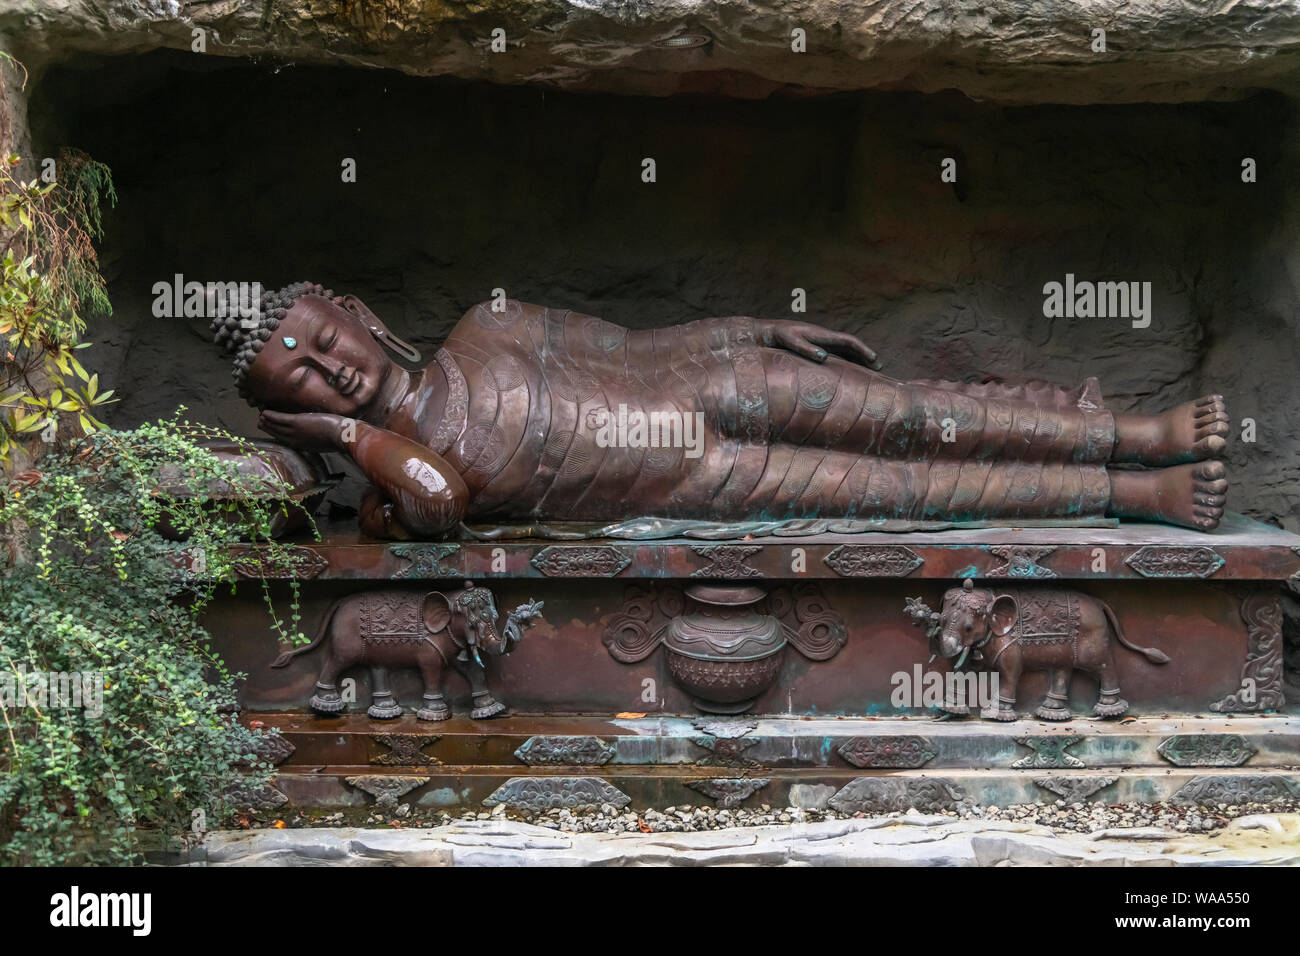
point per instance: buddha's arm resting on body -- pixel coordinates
(416, 491)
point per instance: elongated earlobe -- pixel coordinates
(380, 331)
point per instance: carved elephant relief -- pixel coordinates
(430, 630)
(1014, 630)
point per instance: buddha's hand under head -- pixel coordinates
(814, 342)
(310, 431)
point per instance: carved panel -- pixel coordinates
(1074, 789)
(425, 560)
(1165, 562)
(256, 798)
(279, 563)
(1048, 753)
(812, 626)
(552, 793)
(726, 561)
(574, 751)
(385, 790)
(874, 561)
(899, 752)
(1207, 750)
(271, 747)
(725, 752)
(405, 750)
(1261, 675)
(570, 561)
(1020, 561)
(729, 792)
(1235, 789)
(890, 794)
(728, 727)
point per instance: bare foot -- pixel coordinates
(1189, 495)
(1194, 431)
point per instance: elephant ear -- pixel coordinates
(436, 612)
(1003, 614)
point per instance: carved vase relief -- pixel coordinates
(724, 644)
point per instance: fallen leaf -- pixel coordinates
(641, 825)
(279, 824)
(256, 724)
(627, 715)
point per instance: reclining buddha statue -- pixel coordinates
(523, 416)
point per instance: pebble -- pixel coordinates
(1077, 817)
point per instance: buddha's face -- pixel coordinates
(322, 358)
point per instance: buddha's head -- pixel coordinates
(306, 350)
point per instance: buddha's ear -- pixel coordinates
(378, 329)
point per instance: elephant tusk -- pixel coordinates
(931, 660)
(961, 660)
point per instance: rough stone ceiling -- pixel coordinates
(1011, 51)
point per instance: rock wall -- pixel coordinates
(1048, 51)
(231, 171)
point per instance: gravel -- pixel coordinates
(1075, 817)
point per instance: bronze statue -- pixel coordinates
(431, 631)
(541, 414)
(1013, 630)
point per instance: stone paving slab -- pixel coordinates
(910, 840)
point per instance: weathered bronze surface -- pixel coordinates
(531, 413)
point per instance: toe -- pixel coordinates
(1211, 445)
(1211, 470)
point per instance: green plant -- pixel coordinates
(49, 282)
(90, 587)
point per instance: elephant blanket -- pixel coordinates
(1046, 616)
(391, 618)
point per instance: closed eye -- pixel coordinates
(327, 339)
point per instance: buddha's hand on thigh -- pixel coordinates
(311, 431)
(814, 342)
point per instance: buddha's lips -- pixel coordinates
(347, 384)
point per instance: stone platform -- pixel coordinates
(913, 840)
(849, 765)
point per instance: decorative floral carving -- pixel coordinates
(1166, 562)
(874, 560)
(568, 561)
(456, 409)
(726, 561)
(1020, 561)
(552, 793)
(637, 629)
(256, 798)
(1235, 789)
(725, 751)
(817, 630)
(890, 794)
(405, 750)
(1048, 753)
(1261, 675)
(425, 560)
(1074, 789)
(1207, 750)
(280, 563)
(572, 751)
(386, 790)
(904, 751)
(273, 748)
(729, 792)
(726, 727)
